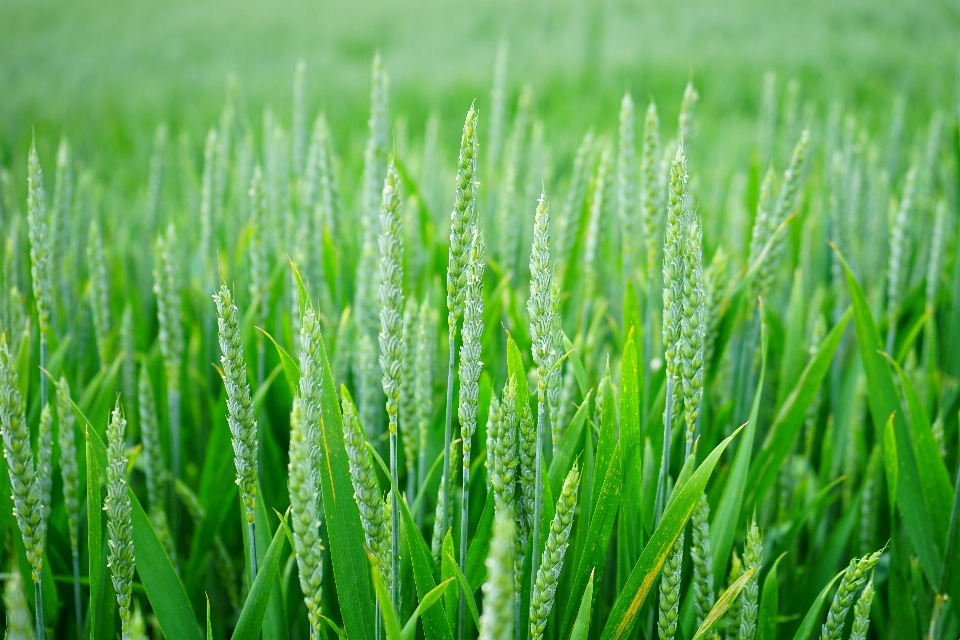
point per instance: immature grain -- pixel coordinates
(66, 426)
(650, 194)
(306, 525)
(703, 597)
(99, 291)
(627, 183)
(462, 221)
(374, 172)
(504, 455)
(119, 524)
(898, 257)
(15, 605)
(548, 575)
(760, 233)
(861, 613)
(507, 233)
(540, 307)
(592, 238)
(40, 257)
(28, 506)
(673, 295)
(785, 205)
(570, 218)
(935, 257)
(692, 328)
(685, 120)
(752, 559)
(555, 373)
(857, 573)
(44, 464)
(497, 621)
(368, 377)
(366, 491)
(166, 287)
(669, 603)
(391, 339)
(470, 368)
(156, 474)
(768, 116)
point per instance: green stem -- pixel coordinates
(252, 549)
(43, 366)
(448, 424)
(77, 603)
(464, 525)
(38, 601)
(661, 498)
(395, 525)
(174, 406)
(537, 492)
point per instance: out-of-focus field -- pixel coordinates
(105, 72)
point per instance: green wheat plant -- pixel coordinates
(699, 360)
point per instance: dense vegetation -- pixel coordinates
(665, 370)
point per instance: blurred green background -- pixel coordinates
(104, 72)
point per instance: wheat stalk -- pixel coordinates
(507, 238)
(861, 613)
(569, 222)
(497, 621)
(540, 307)
(547, 579)
(669, 603)
(857, 573)
(898, 258)
(462, 221)
(304, 494)
(99, 290)
(391, 341)
(703, 596)
(40, 257)
(243, 427)
(627, 184)
(66, 427)
(468, 406)
(166, 287)
(673, 280)
(750, 596)
(153, 461)
(366, 491)
(119, 524)
(25, 481)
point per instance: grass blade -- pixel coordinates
(727, 516)
(723, 603)
(255, 606)
(925, 526)
(626, 610)
(581, 626)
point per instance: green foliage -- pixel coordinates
(601, 362)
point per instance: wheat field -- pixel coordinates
(402, 336)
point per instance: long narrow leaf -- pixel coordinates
(626, 610)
